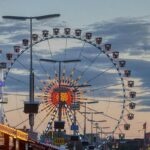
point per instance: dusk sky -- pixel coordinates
(125, 24)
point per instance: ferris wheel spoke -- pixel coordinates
(44, 70)
(63, 78)
(8, 111)
(22, 122)
(17, 80)
(92, 61)
(23, 65)
(53, 116)
(79, 56)
(56, 75)
(100, 74)
(49, 47)
(97, 100)
(72, 72)
(69, 114)
(42, 121)
(106, 87)
(66, 41)
(49, 107)
(41, 66)
(108, 116)
(103, 114)
(69, 121)
(101, 88)
(88, 66)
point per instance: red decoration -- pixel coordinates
(65, 97)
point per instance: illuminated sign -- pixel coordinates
(59, 141)
(1, 138)
(75, 106)
(74, 127)
(65, 96)
(14, 132)
(22, 135)
(2, 83)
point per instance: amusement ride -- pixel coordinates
(57, 83)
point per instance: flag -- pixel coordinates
(144, 125)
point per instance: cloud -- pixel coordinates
(95, 67)
(129, 36)
(125, 33)
(143, 110)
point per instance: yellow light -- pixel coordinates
(14, 132)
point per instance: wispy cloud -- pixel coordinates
(131, 36)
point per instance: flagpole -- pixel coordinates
(144, 127)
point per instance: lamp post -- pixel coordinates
(96, 123)
(59, 79)
(92, 122)
(101, 130)
(31, 78)
(85, 112)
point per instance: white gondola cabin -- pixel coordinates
(132, 94)
(56, 31)
(121, 135)
(34, 37)
(115, 54)
(78, 32)
(67, 31)
(88, 35)
(132, 105)
(25, 42)
(130, 116)
(107, 47)
(127, 73)
(16, 48)
(126, 126)
(9, 56)
(45, 33)
(122, 63)
(130, 83)
(98, 40)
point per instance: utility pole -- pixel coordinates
(85, 112)
(92, 122)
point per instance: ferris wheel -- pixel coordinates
(77, 79)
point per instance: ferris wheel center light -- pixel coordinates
(65, 96)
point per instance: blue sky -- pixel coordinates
(79, 12)
(125, 24)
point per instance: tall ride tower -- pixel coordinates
(2, 101)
